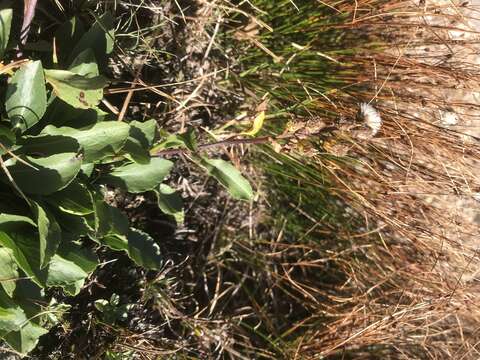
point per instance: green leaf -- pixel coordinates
(48, 175)
(67, 34)
(29, 296)
(76, 90)
(143, 250)
(12, 316)
(138, 178)
(5, 25)
(170, 202)
(186, 140)
(85, 64)
(25, 339)
(62, 272)
(140, 140)
(139, 246)
(83, 257)
(75, 227)
(229, 177)
(99, 141)
(13, 222)
(8, 271)
(74, 265)
(109, 220)
(75, 288)
(87, 169)
(100, 38)
(47, 145)
(26, 251)
(18, 234)
(26, 96)
(75, 199)
(49, 232)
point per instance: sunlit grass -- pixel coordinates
(393, 248)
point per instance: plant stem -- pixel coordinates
(237, 142)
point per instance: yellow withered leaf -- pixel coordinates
(257, 124)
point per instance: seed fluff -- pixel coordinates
(371, 117)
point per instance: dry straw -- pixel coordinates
(415, 293)
(409, 283)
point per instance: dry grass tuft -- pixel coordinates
(410, 272)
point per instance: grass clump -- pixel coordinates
(409, 267)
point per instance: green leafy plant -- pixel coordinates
(111, 310)
(60, 154)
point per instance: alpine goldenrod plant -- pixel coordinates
(60, 156)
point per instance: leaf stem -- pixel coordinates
(237, 142)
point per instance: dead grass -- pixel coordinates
(410, 280)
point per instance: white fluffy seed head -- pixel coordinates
(476, 196)
(449, 118)
(371, 117)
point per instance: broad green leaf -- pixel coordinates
(5, 25)
(229, 177)
(85, 64)
(117, 243)
(139, 246)
(63, 272)
(49, 232)
(59, 113)
(100, 38)
(87, 169)
(14, 222)
(109, 220)
(138, 178)
(19, 234)
(26, 339)
(71, 266)
(143, 250)
(11, 315)
(67, 34)
(47, 145)
(76, 90)
(75, 288)
(170, 202)
(140, 140)
(26, 96)
(83, 257)
(11, 319)
(26, 251)
(186, 140)
(12, 245)
(104, 139)
(8, 271)
(29, 296)
(73, 226)
(50, 174)
(75, 199)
